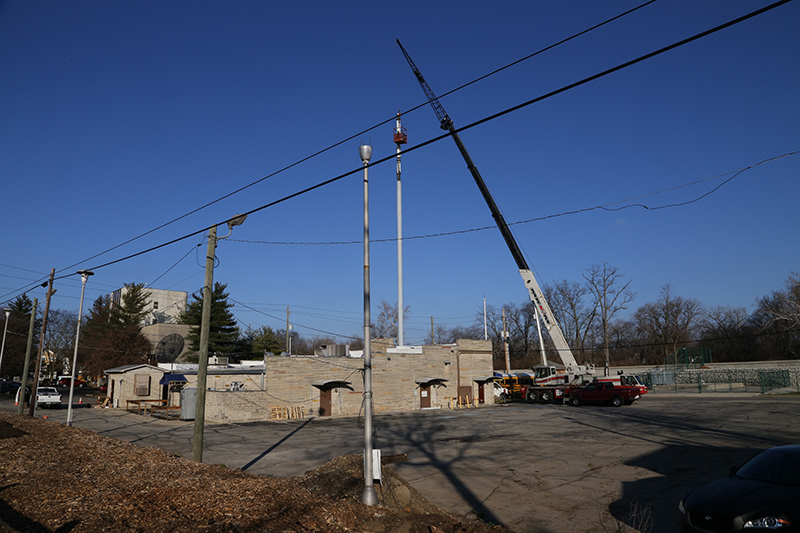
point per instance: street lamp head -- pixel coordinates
(365, 151)
(7, 311)
(85, 273)
(238, 220)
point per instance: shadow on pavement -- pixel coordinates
(274, 446)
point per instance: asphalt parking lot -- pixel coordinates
(534, 468)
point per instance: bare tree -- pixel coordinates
(722, 328)
(387, 326)
(667, 323)
(567, 301)
(784, 306)
(611, 295)
(60, 340)
(523, 338)
(777, 318)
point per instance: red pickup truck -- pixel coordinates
(604, 392)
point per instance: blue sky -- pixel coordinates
(117, 117)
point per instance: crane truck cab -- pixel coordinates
(622, 379)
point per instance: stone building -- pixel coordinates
(403, 379)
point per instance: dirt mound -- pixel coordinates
(57, 478)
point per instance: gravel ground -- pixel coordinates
(55, 478)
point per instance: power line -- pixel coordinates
(438, 138)
(604, 207)
(350, 138)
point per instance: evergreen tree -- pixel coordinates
(262, 340)
(108, 340)
(223, 333)
(131, 308)
(17, 336)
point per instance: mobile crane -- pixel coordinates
(548, 382)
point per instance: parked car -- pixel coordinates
(604, 392)
(9, 387)
(27, 394)
(762, 494)
(45, 396)
(65, 381)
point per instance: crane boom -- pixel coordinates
(534, 291)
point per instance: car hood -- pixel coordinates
(734, 496)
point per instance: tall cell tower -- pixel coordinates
(400, 138)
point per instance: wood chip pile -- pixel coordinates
(57, 478)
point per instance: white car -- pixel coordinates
(500, 391)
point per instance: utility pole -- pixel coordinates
(288, 339)
(505, 343)
(24, 385)
(205, 323)
(35, 385)
(433, 340)
(400, 138)
(202, 369)
(485, 326)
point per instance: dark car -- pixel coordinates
(9, 387)
(763, 494)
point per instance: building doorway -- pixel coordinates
(424, 396)
(325, 402)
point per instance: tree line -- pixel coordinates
(590, 313)
(111, 334)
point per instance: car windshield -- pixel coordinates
(774, 466)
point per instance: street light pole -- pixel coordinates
(7, 311)
(84, 276)
(205, 322)
(368, 496)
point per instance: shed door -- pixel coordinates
(325, 402)
(424, 396)
(480, 393)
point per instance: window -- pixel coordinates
(141, 385)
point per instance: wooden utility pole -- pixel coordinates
(202, 369)
(24, 384)
(35, 385)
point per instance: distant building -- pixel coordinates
(163, 307)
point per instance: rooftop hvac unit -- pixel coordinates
(334, 350)
(217, 360)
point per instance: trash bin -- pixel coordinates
(188, 403)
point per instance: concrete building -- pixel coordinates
(403, 379)
(170, 341)
(162, 306)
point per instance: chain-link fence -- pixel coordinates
(748, 380)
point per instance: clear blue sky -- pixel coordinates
(117, 117)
